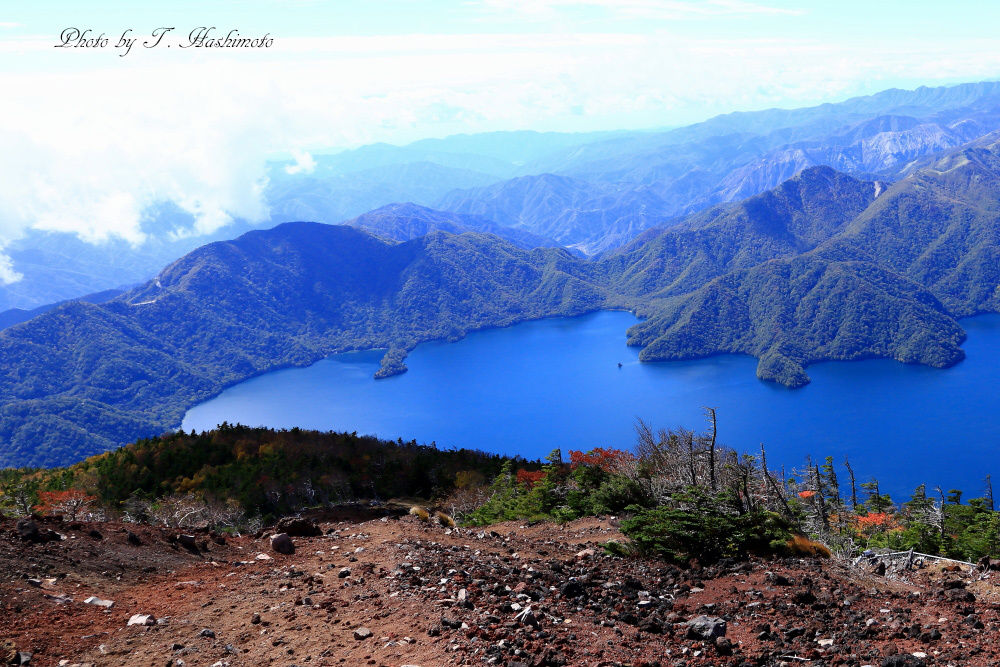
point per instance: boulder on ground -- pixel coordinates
(142, 619)
(706, 628)
(282, 544)
(362, 633)
(299, 527)
(28, 530)
(960, 595)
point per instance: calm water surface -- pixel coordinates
(533, 387)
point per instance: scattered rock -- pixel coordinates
(777, 579)
(362, 634)
(282, 544)
(960, 595)
(207, 633)
(298, 527)
(903, 660)
(28, 530)
(706, 628)
(572, 589)
(528, 618)
(142, 619)
(98, 602)
(988, 563)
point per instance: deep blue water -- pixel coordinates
(530, 388)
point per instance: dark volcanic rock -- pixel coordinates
(28, 530)
(903, 660)
(297, 527)
(960, 595)
(572, 589)
(282, 544)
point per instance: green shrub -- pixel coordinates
(697, 525)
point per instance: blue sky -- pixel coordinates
(90, 139)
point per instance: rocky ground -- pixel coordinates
(394, 591)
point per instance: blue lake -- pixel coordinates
(533, 387)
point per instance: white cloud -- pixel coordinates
(304, 163)
(9, 24)
(7, 273)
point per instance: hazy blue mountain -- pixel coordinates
(613, 189)
(9, 318)
(407, 221)
(578, 214)
(782, 126)
(59, 266)
(333, 199)
(495, 153)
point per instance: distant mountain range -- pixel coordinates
(607, 192)
(825, 266)
(592, 192)
(403, 222)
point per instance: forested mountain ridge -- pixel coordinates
(82, 378)
(793, 218)
(890, 284)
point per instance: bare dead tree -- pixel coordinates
(710, 416)
(854, 487)
(821, 500)
(941, 495)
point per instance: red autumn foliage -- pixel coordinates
(605, 459)
(877, 520)
(68, 502)
(529, 478)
